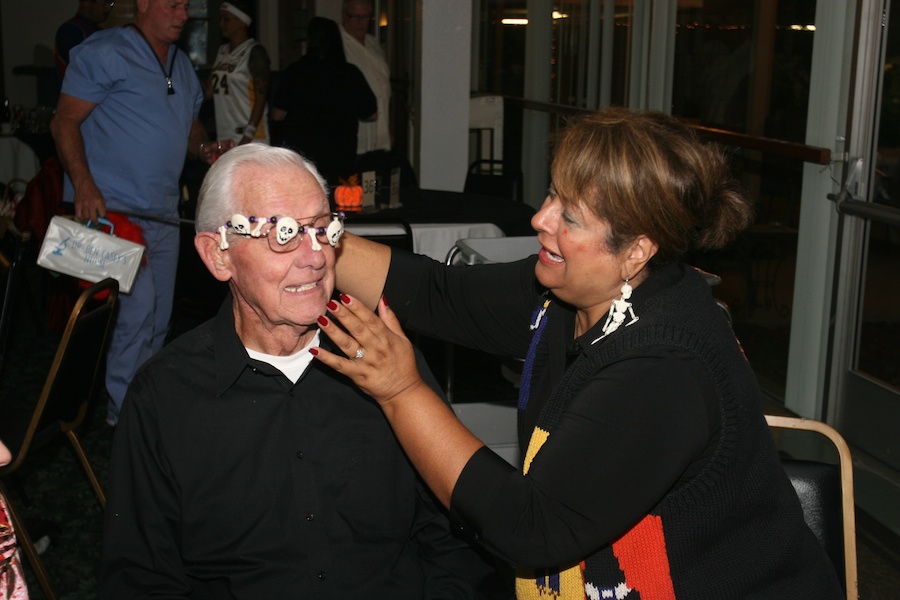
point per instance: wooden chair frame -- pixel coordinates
(845, 463)
(40, 428)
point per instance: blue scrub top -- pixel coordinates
(136, 137)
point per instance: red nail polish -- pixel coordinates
(345, 298)
(332, 305)
(384, 300)
(314, 351)
(322, 321)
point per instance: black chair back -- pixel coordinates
(71, 380)
(11, 263)
(493, 178)
(818, 485)
(825, 490)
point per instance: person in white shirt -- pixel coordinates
(239, 80)
(364, 51)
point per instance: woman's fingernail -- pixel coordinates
(345, 298)
(332, 305)
(322, 321)
(314, 351)
(384, 300)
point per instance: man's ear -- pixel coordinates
(215, 259)
(641, 250)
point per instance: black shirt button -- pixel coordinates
(310, 517)
(299, 455)
(321, 575)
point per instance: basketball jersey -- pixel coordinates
(232, 92)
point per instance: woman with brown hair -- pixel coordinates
(649, 470)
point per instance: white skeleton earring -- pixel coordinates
(617, 312)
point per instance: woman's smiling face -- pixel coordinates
(575, 262)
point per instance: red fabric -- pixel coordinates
(42, 199)
(125, 229)
(642, 557)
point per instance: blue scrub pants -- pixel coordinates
(143, 319)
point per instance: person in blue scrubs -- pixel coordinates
(126, 119)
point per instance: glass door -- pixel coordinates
(865, 351)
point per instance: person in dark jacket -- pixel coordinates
(321, 100)
(648, 468)
(91, 13)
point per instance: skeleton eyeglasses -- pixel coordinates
(284, 234)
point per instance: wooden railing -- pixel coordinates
(810, 154)
(803, 152)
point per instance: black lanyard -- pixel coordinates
(168, 75)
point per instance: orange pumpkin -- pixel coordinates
(349, 194)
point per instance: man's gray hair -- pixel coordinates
(217, 203)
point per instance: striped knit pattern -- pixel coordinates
(538, 322)
(547, 584)
(640, 555)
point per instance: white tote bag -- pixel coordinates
(90, 254)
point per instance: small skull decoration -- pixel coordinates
(335, 231)
(240, 224)
(286, 230)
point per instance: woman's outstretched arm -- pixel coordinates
(361, 268)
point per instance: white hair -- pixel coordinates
(217, 203)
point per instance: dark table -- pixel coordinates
(439, 206)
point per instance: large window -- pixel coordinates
(745, 66)
(577, 78)
(736, 66)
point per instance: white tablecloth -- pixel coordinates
(17, 161)
(493, 424)
(432, 239)
(496, 250)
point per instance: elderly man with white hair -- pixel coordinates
(243, 469)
